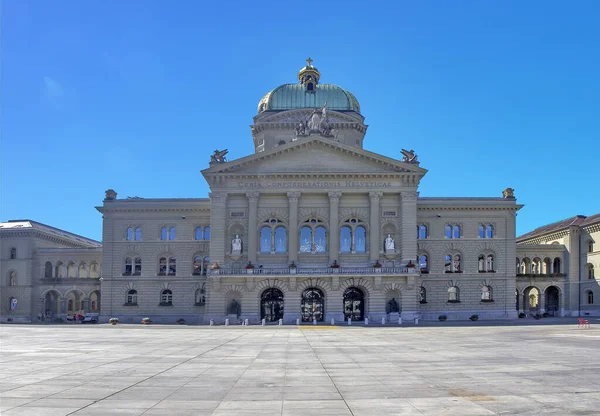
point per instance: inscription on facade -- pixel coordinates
(323, 184)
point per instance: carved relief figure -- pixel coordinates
(392, 306)
(234, 308)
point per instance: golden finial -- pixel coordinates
(309, 61)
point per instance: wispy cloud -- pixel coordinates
(54, 93)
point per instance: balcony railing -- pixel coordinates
(316, 271)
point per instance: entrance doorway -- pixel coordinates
(552, 300)
(354, 304)
(313, 305)
(271, 305)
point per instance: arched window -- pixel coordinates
(481, 231)
(12, 278)
(137, 266)
(200, 296)
(273, 237)
(489, 231)
(197, 266)
(167, 233)
(422, 231)
(130, 233)
(486, 294)
(13, 253)
(518, 271)
(94, 270)
(162, 266)
(590, 246)
(423, 262)
(453, 294)
(265, 239)
(128, 266)
(452, 231)
(489, 263)
(353, 236)
(166, 297)
(536, 266)
(48, 269)
(591, 271)
(556, 265)
(71, 270)
(172, 233)
(59, 272)
(481, 263)
(452, 263)
(547, 266)
(422, 295)
(205, 262)
(138, 233)
(280, 240)
(199, 235)
(172, 266)
(313, 236)
(131, 297)
(207, 233)
(82, 270)
(590, 297)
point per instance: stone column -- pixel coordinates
(409, 225)
(410, 306)
(374, 227)
(218, 212)
(334, 232)
(85, 305)
(252, 224)
(293, 236)
(572, 284)
(63, 306)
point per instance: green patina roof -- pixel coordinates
(293, 96)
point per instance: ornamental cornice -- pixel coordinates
(259, 128)
(160, 209)
(46, 237)
(469, 208)
(545, 237)
(592, 228)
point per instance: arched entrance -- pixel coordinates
(552, 295)
(531, 300)
(94, 305)
(354, 304)
(313, 305)
(52, 303)
(271, 305)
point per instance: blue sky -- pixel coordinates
(135, 95)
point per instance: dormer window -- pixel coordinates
(310, 87)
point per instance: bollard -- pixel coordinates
(383, 320)
(297, 322)
(399, 321)
(226, 321)
(349, 321)
(416, 321)
(212, 322)
(366, 321)
(280, 322)
(246, 322)
(263, 322)
(314, 321)
(332, 321)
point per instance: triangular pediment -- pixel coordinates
(315, 155)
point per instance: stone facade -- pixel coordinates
(50, 272)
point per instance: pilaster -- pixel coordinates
(408, 202)
(334, 234)
(218, 209)
(374, 226)
(293, 226)
(252, 225)
(573, 288)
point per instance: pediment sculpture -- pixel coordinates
(317, 122)
(409, 156)
(219, 156)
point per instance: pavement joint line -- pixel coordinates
(154, 375)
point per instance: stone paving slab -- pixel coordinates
(196, 370)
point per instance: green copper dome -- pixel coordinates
(308, 94)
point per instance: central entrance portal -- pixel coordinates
(354, 304)
(313, 305)
(271, 305)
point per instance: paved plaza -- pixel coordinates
(437, 369)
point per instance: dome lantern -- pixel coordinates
(309, 76)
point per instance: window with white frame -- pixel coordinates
(452, 263)
(273, 237)
(453, 294)
(131, 298)
(168, 233)
(133, 266)
(166, 297)
(167, 266)
(486, 293)
(313, 236)
(452, 231)
(353, 236)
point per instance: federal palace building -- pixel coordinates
(310, 227)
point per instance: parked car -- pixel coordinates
(91, 318)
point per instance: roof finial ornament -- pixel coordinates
(309, 61)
